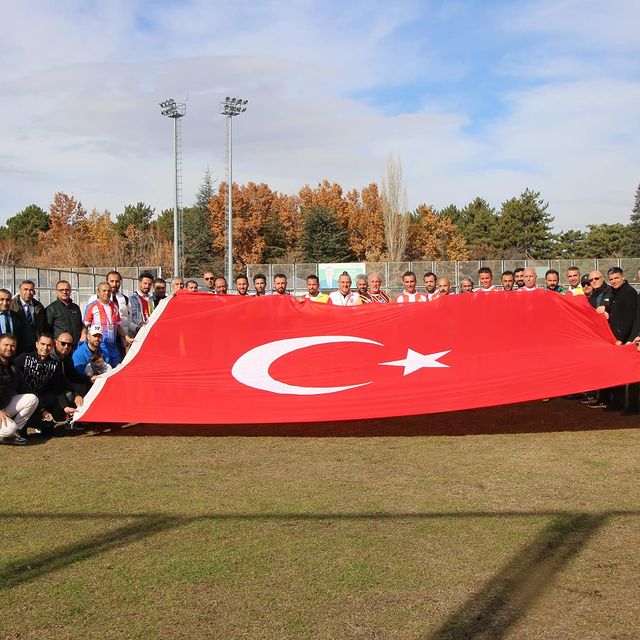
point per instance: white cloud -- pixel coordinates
(80, 104)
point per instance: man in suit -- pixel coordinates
(9, 320)
(32, 315)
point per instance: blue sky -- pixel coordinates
(475, 98)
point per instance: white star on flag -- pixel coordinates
(415, 361)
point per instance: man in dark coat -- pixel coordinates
(32, 315)
(43, 376)
(9, 320)
(619, 305)
(64, 315)
(63, 353)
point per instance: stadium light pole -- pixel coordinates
(229, 108)
(175, 111)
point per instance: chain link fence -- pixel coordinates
(84, 281)
(456, 271)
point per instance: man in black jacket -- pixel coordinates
(64, 315)
(43, 376)
(63, 353)
(598, 288)
(619, 305)
(15, 408)
(33, 318)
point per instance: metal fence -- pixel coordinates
(456, 271)
(84, 281)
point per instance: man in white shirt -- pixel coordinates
(530, 280)
(344, 297)
(485, 278)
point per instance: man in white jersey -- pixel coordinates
(530, 280)
(344, 297)
(410, 294)
(485, 278)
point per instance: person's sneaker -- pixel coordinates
(588, 400)
(597, 405)
(16, 441)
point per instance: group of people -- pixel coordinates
(50, 356)
(611, 296)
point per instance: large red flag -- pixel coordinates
(208, 359)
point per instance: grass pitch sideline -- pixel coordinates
(502, 536)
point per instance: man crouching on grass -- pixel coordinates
(17, 408)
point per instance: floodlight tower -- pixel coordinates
(175, 110)
(230, 107)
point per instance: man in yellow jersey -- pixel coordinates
(313, 290)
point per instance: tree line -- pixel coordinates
(324, 223)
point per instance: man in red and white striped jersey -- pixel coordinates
(410, 294)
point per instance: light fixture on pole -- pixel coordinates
(175, 110)
(230, 107)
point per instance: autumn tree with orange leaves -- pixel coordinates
(432, 237)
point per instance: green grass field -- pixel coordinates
(497, 536)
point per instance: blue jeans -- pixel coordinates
(114, 353)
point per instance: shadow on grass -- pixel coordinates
(527, 417)
(41, 564)
(488, 614)
(514, 589)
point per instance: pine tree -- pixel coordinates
(196, 229)
(28, 224)
(477, 223)
(632, 240)
(524, 227)
(134, 215)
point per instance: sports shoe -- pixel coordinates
(597, 405)
(588, 400)
(16, 441)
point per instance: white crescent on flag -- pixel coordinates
(252, 368)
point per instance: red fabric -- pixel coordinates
(498, 349)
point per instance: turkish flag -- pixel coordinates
(207, 359)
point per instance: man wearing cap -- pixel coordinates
(85, 351)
